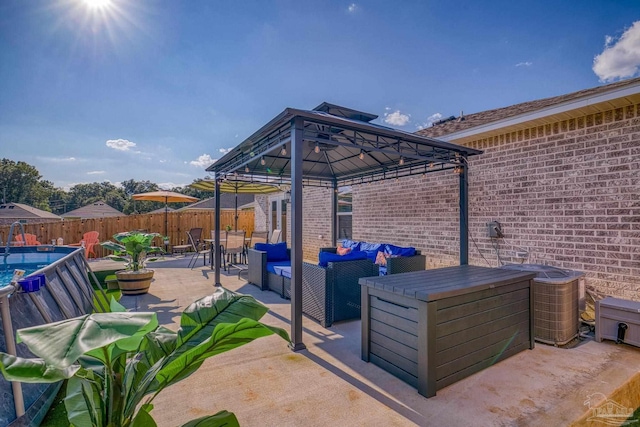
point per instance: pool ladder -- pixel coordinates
(6, 249)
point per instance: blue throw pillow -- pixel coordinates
(275, 252)
(399, 250)
(327, 257)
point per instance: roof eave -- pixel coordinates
(571, 105)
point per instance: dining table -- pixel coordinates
(211, 242)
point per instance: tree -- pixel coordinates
(84, 194)
(19, 183)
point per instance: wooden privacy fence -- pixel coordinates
(72, 231)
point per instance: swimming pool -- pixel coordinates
(30, 261)
(68, 293)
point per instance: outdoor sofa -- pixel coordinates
(330, 289)
(391, 259)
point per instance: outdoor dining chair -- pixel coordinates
(232, 247)
(258, 237)
(275, 236)
(197, 245)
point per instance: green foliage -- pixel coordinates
(133, 247)
(116, 363)
(20, 183)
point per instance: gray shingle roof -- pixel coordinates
(22, 211)
(97, 209)
(489, 116)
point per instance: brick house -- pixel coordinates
(562, 176)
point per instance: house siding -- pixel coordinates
(567, 192)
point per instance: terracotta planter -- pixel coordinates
(134, 282)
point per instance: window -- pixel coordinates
(344, 214)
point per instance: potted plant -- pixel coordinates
(133, 247)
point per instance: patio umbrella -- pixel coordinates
(237, 186)
(166, 197)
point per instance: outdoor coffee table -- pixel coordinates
(432, 328)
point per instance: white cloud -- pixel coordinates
(524, 64)
(170, 185)
(95, 172)
(203, 161)
(352, 8)
(619, 59)
(120, 144)
(56, 159)
(430, 120)
(396, 118)
(225, 150)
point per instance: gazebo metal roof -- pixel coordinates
(333, 146)
(340, 146)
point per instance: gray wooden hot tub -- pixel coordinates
(432, 328)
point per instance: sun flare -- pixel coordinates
(97, 4)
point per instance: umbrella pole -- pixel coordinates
(236, 212)
(166, 223)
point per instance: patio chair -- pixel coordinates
(197, 237)
(195, 242)
(232, 247)
(31, 240)
(275, 236)
(258, 237)
(90, 239)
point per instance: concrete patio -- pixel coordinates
(265, 384)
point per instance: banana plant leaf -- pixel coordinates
(221, 419)
(60, 344)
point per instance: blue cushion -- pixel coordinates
(327, 257)
(275, 252)
(271, 265)
(365, 246)
(399, 251)
(354, 246)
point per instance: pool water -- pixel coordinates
(28, 261)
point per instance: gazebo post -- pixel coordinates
(297, 128)
(464, 213)
(334, 214)
(216, 225)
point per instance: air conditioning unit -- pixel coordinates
(556, 302)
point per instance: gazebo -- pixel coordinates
(333, 146)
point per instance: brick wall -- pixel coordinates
(316, 221)
(261, 210)
(568, 192)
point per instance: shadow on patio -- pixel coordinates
(265, 383)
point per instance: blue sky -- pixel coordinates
(154, 90)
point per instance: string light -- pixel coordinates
(283, 152)
(317, 149)
(361, 155)
(263, 161)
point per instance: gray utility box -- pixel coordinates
(610, 312)
(432, 328)
(556, 302)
